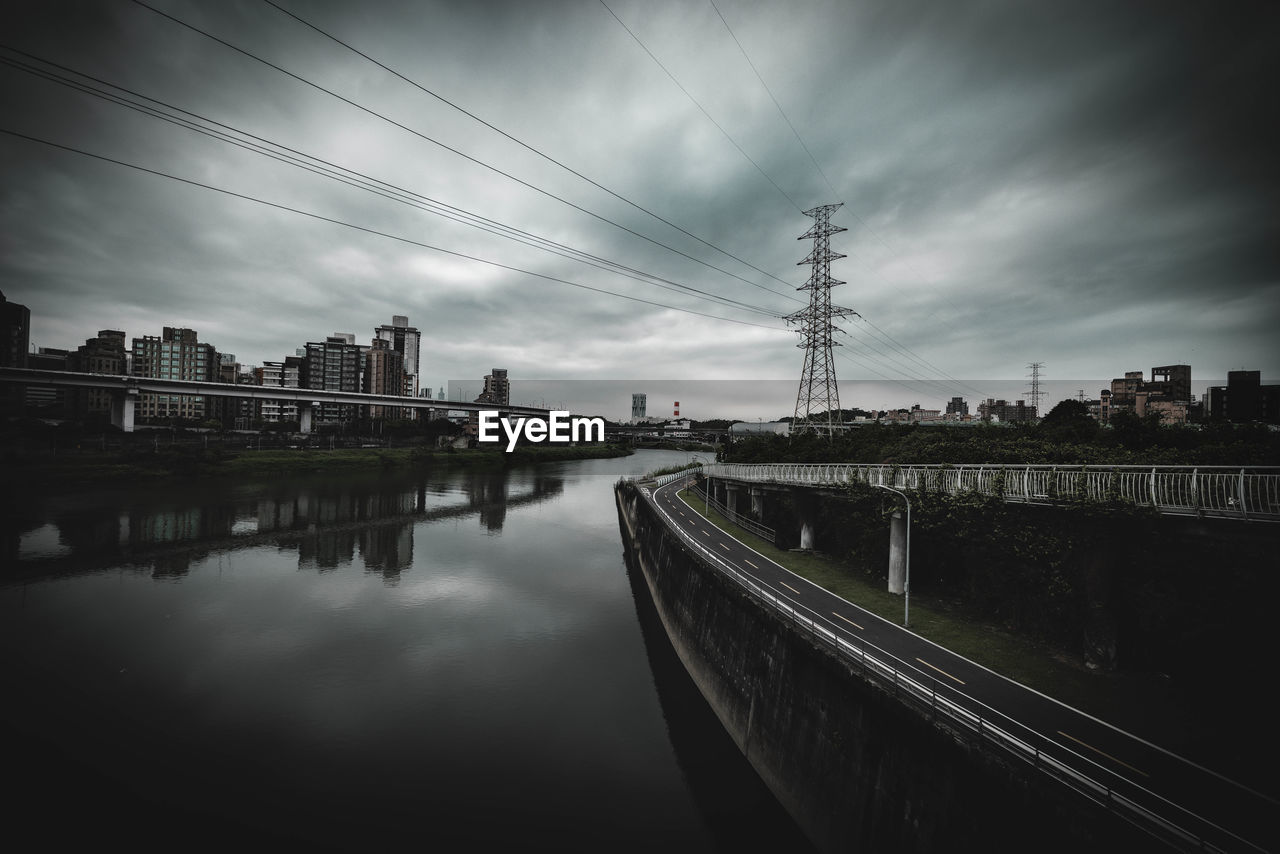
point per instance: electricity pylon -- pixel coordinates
(1035, 394)
(818, 390)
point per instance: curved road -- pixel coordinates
(1209, 808)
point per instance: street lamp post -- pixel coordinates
(706, 493)
(906, 584)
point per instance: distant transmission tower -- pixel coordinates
(819, 395)
(1035, 394)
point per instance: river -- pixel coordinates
(451, 659)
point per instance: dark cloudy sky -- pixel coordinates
(1089, 185)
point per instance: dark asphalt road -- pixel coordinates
(1221, 812)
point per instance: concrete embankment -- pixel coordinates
(857, 769)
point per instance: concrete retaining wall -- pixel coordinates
(858, 770)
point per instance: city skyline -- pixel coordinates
(741, 399)
(1020, 185)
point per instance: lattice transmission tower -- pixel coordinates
(1035, 394)
(818, 402)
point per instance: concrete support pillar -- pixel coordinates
(757, 503)
(731, 496)
(304, 416)
(1101, 632)
(897, 553)
(807, 509)
(122, 408)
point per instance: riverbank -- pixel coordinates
(93, 466)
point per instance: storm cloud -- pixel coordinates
(1091, 186)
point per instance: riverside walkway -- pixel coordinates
(1236, 492)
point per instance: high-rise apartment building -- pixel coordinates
(239, 413)
(384, 373)
(104, 354)
(15, 333)
(176, 354)
(334, 364)
(15, 340)
(279, 375)
(405, 340)
(639, 404)
(49, 401)
(496, 388)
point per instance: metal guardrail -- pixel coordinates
(1249, 492)
(764, 532)
(987, 728)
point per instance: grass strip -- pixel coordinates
(1126, 700)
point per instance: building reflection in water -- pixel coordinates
(489, 496)
(328, 522)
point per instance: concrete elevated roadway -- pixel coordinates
(1187, 806)
(125, 391)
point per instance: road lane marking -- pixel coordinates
(847, 620)
(940, 670)
(789, 587)
(723, 546)
(1100, 753)
(750, 564)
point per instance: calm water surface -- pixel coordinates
(449, 660)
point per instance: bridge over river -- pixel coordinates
(125, 390)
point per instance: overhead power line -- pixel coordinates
(781, 112)
(519, 141)
(448, 148)
(879, 332)
(900, 382)
(694, 101)
(925, 363)
(920, 384)
(373, 231)
(298, 159)
(868, 350)
(392, 192)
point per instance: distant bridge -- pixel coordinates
(1236, 492)
(125, 391)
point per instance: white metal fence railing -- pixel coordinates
(664, 479)
(985, 726)
(1250, 492)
